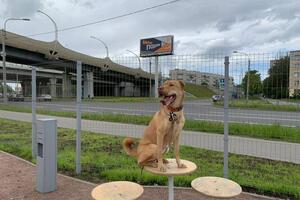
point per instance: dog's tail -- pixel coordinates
(128, 145)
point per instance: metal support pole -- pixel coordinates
(150, 82)
(78, 117)
(171, 187)
(248, 81)
(226, 116)
(33, 110)
(156, 77)
(3, 53)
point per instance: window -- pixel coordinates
(179, 77)
(296, 83)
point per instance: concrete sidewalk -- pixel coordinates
(18, 182)
(275, 150)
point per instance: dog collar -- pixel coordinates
(171, 109)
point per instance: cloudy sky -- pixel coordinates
(198, 26)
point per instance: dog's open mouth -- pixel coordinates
(167, 100)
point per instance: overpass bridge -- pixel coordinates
(56, 70)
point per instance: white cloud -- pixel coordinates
(198, 26)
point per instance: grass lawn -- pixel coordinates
(269, 132)
(260, 105)
(104, 160)
(297, 100)
(198, 91)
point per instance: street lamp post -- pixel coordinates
(107, 55)
(3, 54)
(56, 32)
(248, 75)
(137, 57)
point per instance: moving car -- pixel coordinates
(45, 97)
(15, 97)
(216, 98)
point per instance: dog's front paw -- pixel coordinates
(181, 165)
(162, 168)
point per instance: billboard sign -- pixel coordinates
(157, 46)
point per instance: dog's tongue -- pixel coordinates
(167, 100)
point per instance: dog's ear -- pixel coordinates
(181, 83)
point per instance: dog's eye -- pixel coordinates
(171, 85)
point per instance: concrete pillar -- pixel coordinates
(137, 91)
(117, 90)
(88, 84)
(67, 85)
(129, 92)
(26, 88)
(53, 87)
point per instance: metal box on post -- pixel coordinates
(46, 155)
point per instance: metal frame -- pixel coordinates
(226, 116)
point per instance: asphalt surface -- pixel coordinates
(200, 110)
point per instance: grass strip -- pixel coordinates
(259, 105)
(199, 91)
(104, 160)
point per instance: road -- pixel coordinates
(275, 150)
(200, 110)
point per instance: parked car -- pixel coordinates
(15, 97)
(45, 97)
(216, 98)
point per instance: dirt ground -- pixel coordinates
(17, 182)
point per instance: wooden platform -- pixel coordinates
(216, 187)
(118, 190)
(172, 168)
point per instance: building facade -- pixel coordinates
(294, 76)
(213, 81)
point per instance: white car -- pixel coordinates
(216, 98)
(45, 97)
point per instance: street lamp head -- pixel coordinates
(25, 19)
(235, 51)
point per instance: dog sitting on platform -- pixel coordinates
(163, 130)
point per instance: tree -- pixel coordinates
(255, 85)
(8, 88)
(276, 85)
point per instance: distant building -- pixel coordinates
(294, 77)
(213, 81)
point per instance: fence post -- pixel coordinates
(156, 77)
(33, 112)
(226, 116)
(150, 90)
(78, 116)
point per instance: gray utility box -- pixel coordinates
(46, 155)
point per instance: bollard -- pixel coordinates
(46, 155)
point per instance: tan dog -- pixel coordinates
(163, 130)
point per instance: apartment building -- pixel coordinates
(213, 81)
(294, 76)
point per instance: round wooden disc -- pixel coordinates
(216, 187)
(172, 168)
(118, 190)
